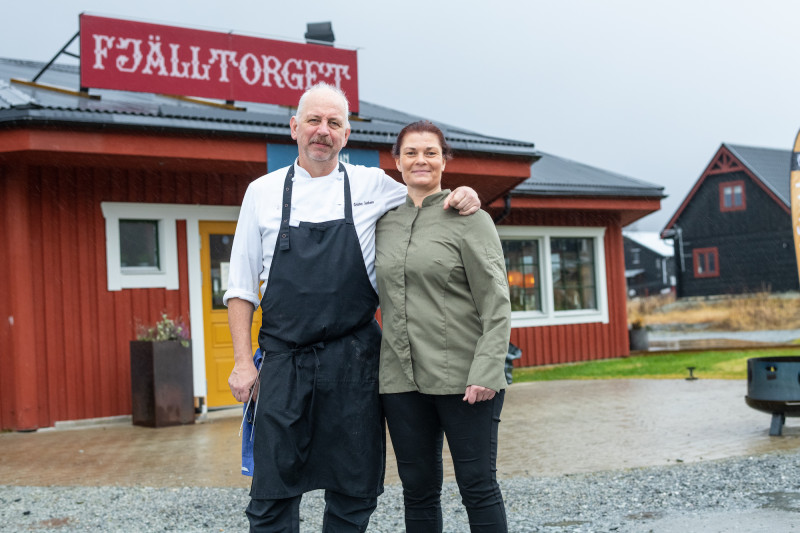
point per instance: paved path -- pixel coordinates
(548, 428)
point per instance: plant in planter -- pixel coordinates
(162, 391)
(638, 336)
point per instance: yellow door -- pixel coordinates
(216, 240)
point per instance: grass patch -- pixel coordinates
(708, 365)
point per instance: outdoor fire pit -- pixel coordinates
(773, 386)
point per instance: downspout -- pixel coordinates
(506, 210)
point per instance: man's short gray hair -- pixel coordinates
(319, 87)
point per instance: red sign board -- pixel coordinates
(152, 58)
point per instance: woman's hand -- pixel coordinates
(476, 393)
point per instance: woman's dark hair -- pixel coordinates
(422, 126)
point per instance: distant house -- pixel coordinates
(649, 263)
(733, 232)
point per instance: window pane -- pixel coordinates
(737, 196)
(138, 244)
(574, 273)
(522, 266)
(727, 195)
(220, 248)
(701, 263)
(712, 267)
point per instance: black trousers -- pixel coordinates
(417, 423)
(343, 514)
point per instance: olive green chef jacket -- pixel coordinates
(444, 300)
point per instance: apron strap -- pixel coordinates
(348, 203)
(283, 235)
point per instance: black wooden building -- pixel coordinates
(733, 232)
(649, 263)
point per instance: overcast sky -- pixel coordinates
(648, 89)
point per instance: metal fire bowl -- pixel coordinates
(769, 407)
(773, 386)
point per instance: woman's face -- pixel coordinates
(421, 161)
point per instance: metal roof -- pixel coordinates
(556, 176)
(651, 240)
(770, 165)
(25, 104)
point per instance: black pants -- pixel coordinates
(417, 423)
(343, 514)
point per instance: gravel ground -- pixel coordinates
(616, 501)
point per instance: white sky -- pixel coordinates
(648, 89)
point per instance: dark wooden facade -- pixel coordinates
(648, 272)
(733, 246)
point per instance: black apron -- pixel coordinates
(319, 422)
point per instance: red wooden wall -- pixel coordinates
(75, 361)
(546, 345)
(64, 337)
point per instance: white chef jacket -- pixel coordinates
(313, 200)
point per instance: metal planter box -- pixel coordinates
(162, 390)
(639, 340)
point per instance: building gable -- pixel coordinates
(729, 165)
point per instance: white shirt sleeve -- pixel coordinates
(394, 192)
(246, 254)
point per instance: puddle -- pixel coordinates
(783, 501)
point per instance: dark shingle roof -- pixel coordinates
(556, 176)
(770, 165)
(374, 125)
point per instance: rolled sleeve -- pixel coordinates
(246, 255)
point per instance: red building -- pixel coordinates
(81, 173)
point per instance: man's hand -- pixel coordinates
(464, 199)
(476, 393)
(243, 375)
(241, 380)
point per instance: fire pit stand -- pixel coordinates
(773, 386)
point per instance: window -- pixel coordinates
(138, 245)
(524, 279)
(731, 196)
(141, 246)
(636, 256)
(706, 262)
(556, 275)
(572, 261)
(220, 254)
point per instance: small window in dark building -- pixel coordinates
(635, 256)
(731, 196)
(138, 245)
(706, 262)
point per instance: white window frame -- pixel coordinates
(166, 276)
(548, 316)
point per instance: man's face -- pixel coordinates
(321, 132)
